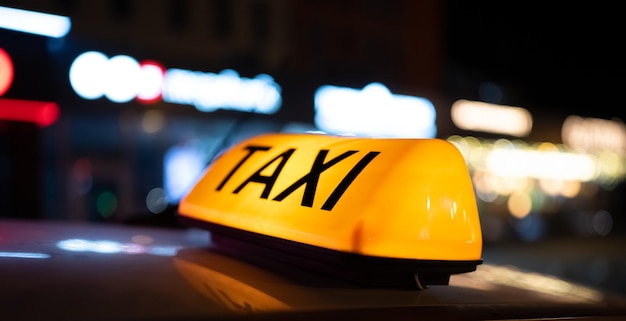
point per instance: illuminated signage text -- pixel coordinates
(310, 179)
(373, 111)
(122, 78)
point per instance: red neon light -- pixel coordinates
(151, 92)
(41, 113)
(6, 71)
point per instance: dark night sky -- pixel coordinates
(567, 55)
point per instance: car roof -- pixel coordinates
(88, 271)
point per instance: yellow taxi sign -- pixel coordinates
(405, 200)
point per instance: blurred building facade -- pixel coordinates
(100, 152)
(108, 161)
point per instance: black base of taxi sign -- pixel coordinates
(278, 254)
(386, 212)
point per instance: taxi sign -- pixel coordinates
(380, 211)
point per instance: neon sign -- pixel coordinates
(209, 91)
(373, 111)
(41, 113)
(122, 78)
(6, 71)
(491, 118)
(37, 23)
(594, 134)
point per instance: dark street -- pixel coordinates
(598, 262)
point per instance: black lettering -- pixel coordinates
(251, 150)
(267, 180)
(347, 180)
(311, 179)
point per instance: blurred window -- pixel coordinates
(179, 14)
(121, 9)
(65, 6)
(260, 21)
(222, 13)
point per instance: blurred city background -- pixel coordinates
(110, 109)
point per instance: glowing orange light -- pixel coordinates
(6, 72)
(39, 112)
(391, 198)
